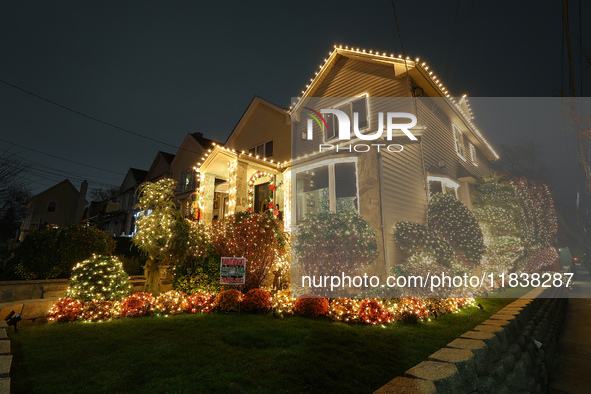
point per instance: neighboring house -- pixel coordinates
(106, 216)
(59, 205)
(160, 167)
(182, 169)
(384, 187)
(128, 199)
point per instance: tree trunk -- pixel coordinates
(152, 274)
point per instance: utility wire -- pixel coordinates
(85, 115)
(61, 158)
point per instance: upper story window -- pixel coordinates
(473, 156)
(262, 150)
(52, 206)
(357, 105)
(459, 140)
(187, 181)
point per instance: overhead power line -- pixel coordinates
(87, 116)
(60, 158)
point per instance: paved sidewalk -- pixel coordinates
(573, 367)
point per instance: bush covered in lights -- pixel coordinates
(374, 312)
(137, 304)
(65, 310)
(51, 253)
(345, 310)
(332, 243)
(458, 226)
(200, 302)
(311, 305)
(171, 302)
(228, 301)
(283, 303)
(256, 300)
(98, 310)
(415, 238)
(99, 278)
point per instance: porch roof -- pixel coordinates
(217, 162)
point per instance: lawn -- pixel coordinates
(227, 353)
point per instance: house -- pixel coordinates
(445, 154)
(239, 175)
(59, 205)
(127, 200)
(182, 170)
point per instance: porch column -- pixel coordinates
(240, 189)
(207, 193)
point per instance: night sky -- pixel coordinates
(164, 69)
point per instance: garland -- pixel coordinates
(252, 180)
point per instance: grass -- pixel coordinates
(227, 353)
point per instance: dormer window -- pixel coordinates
(473, 154)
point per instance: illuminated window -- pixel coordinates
(262, 150)
(358, 105)
(187, 181)
(442, 185)
(52, 206)
(318, 187)
(459, 140)
(473, 154)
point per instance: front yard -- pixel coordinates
(227, 353)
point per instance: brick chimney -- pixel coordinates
(81, 201)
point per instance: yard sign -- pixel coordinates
(233, 271)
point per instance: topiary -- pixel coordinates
(66, 310)
(372, 311)
(256, 300)
(172, 302)
(228, 301)
(458, 226)
(200, 302)
(99, 278)
(137, 304)
(311, 305)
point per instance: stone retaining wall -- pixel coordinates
(512, 351)
(5, 359)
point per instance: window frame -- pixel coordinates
(446, 184)
(253, 150)
(473, 155)
(331, 181)
(54, 208)
(459, 142)
(349, 102)
(192, 182)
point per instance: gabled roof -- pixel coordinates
(65, 182)
(256, 101)
(418, 71)
(169, 157)
(138, 175)
(204, 142)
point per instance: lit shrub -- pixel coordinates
(283, 303)
(98, 310)
(415, 238)
(414, 306)
(200, 302)
(137, 304)
(256, 300)
(172, 302)
(311, 305)
(408, 317)
(99, 278)
(344, 309)
(66, 309)
(373, 312)
(228, 301)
